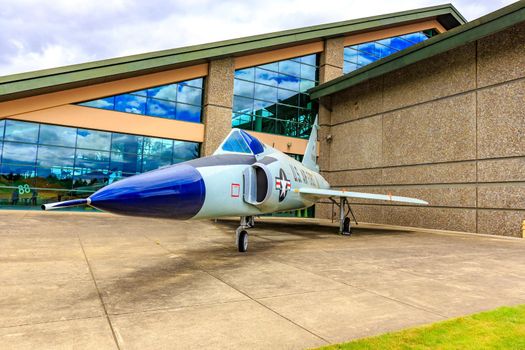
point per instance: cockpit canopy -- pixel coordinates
(239, 141)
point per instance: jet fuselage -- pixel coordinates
(219, 185)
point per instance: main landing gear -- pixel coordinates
(344, 221)
(241, 233)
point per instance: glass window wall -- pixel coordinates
(179, 101)
(272, 98)
(357, 56)
(42, 163)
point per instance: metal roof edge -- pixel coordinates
(73, 74)
(469, 32)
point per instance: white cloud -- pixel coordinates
(47, 34)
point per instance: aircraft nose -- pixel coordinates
(175, 192)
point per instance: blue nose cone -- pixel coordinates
(176, 192)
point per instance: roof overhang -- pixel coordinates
(52, 80)
(459, 36)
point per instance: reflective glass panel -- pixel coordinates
(130, 104)
(274, 66)
(61, 176)
(2, 125)
(57, 135)
(126, 162)
(160, 108)
(188, 113)
(19, 153)
(166, 92)
(90, 181)
(288, 97)
(266, 77)
(415, 37)
(360, 55)
(310, 59)
(245, 74)
(371, 49)
(288, 82)
(21, 131)
(274, 83)
(50, 156)
(103, 103)
(266, 93)
(157, 153)
(157, 101)
(287, 112)
(308, 72)
(125, 143)
(195, 83)
(92, 159)
(264, 108)
(16, 175)
(183, 151)
(243, 88)
(290, 67)
(188, 94)
(243, 104)
(242, 121)
(93, 139)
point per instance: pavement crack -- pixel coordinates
(367, 290)
(247, 295)
(113, 333)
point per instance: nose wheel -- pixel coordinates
(241, 233)
(345, 227)
(242, 241)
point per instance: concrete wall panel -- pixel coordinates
(356, 145)
(443, 75)
(437, 196)
(442, 196)
(501, 120)
(222, 124)
(510, 196)
(501, 57)
(436, 218)
(218, 101)
(360, 101)
(501, 170)
(355, 177)
(500, 222)
(452, 133)
(431, 173)
(438, 131)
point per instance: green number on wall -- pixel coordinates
(22, 189)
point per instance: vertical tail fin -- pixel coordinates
(310, 154)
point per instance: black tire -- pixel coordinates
(242, 242)
(346, 226)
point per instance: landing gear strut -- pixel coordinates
(241, 233)
(344, 221)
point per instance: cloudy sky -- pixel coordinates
(39, 34)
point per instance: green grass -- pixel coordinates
(503, 328)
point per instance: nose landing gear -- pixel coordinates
(241, 233)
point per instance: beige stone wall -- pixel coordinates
(330, 67)
(218, 100)
(450, 130)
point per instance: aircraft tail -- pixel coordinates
(310, 154)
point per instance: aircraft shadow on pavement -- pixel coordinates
(158, 283)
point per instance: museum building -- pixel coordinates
(400, 99)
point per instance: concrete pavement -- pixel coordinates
(91, 280)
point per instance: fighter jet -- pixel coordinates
(244, 177)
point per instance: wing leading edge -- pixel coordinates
(320, 193)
